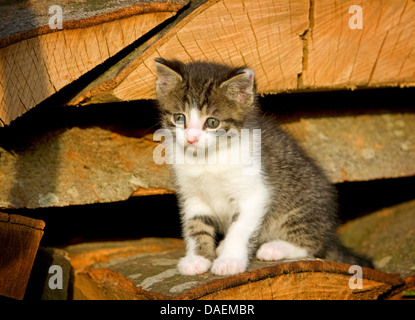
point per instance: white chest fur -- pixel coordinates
(215, 189)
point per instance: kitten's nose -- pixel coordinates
(192, 139)
(192, 136)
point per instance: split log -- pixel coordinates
(96, 165)
(81, 166)
(291, 45)
(37, 61)
(359, 147)
(146, 269)
(19, 241)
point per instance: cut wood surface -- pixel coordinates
(146, 269)
(19, 241)
(37, 61)
(96, 165)
(291, 45)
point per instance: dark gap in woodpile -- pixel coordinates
(357, 199)
(130, 119)
(290, 107)
(135, 218)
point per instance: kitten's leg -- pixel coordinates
(219, 248)
(199, 233)
(234, 249)
(297, 234)
(278, 250)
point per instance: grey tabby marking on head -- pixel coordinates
(287, 210)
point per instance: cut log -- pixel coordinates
(37, 61)
(291, 45)
(81, 166)
(146, 269)
(95, 165)
(361, 147)
(19, 241)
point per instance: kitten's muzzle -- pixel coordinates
(192, 135)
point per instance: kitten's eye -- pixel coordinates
(179, 118)
(212, 123)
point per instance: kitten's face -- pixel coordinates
(199, 100)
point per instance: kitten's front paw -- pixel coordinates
(194, 264)
(229, 266)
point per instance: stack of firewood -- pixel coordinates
(63, 54)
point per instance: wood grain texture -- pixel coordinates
(36, 63)
(291, 45)
(382, 53)
(19, 241)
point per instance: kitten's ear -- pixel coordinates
(167, 77)
(241, 86)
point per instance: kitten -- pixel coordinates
(284, 210)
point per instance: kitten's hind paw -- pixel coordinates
(193, 264)
(228, 266)
(278, 250)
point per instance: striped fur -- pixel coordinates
(286, 210)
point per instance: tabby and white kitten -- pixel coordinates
(285, 210)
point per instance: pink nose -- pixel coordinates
(192, 135)
(192, 139)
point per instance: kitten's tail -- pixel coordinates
(341, 254)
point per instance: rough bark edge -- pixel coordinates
(118, 14)
(396, 294)
(22, 221)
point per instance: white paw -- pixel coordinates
(278, 250)
(229, 266)
(194, 264)
(269, 252)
